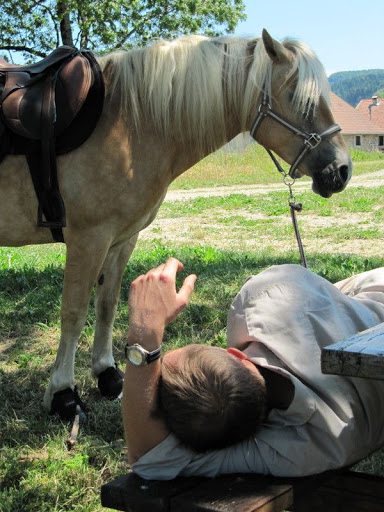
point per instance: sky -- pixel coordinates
(345, 34)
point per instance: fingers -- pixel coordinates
(170, 269)
(181, 299)
(187, 288)
(153, 298)
(166, 273)
(165, 270)
(172, 266)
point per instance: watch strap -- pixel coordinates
(155, 354)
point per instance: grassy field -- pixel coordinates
(37, 472)
(254, 166)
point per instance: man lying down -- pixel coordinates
(263, 405)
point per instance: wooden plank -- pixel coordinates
(359, 483)
(332, 500)
(333, 491)
(235, 493)
(362, 355)
(344, 492)
(134, 494)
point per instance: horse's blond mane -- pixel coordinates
(184, 84)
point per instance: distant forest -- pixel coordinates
(354, 86)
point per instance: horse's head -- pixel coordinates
(294, 118)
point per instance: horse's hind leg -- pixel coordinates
(85, 255)
(110, 378)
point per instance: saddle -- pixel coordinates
(48, 109)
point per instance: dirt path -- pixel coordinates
(373, 179)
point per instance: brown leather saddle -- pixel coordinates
(47, 109)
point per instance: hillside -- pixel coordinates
(354, 86)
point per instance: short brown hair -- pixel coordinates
(212, 401)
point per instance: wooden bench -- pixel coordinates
(341, 491)
(361, 355)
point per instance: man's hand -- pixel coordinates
(154, 302)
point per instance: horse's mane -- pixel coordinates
(184, 84)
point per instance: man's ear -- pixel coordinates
(275, 50)
(237, 353)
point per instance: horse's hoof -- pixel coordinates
(110, 382)
(64, 404)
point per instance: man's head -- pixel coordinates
(211, 398)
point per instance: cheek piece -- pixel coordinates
(310, 140)
(237, 353)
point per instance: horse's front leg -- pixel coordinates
(110, 378)
(85, 255)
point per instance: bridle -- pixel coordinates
(311, 140)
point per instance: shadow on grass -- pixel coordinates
(30, 298)
(25, 425)
(27, 297)
(212, 265)
(36, 470)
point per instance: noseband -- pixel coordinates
(311, 140)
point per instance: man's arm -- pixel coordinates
(153, 303)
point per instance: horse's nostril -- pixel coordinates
(344, 172)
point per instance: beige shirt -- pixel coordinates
(282, 318)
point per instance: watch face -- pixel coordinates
(135, 356)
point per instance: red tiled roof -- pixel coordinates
(377, 111)
(351, 121)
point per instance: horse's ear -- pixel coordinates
(275, 50)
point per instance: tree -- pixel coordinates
(36, 27)
(354, 86)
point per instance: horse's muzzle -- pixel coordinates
(334, 178)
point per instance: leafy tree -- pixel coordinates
(354, 86)
(35, 27)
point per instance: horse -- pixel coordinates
(166, 107)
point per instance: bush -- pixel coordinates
(358, 155)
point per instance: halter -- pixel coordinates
(311, 140)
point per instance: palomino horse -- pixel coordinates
(166, 107)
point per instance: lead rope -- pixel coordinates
(294, 207)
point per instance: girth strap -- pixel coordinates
(46, 184)
(51, 204)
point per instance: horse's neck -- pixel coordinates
(190, 153)
(178, 152)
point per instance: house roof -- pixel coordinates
(375, 113)
(351, 121)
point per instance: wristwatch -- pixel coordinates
(138, 356)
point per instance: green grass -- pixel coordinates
(358, 155)
(275, 203)
(37, 472)
(252, 166)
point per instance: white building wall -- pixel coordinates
(368, 143)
